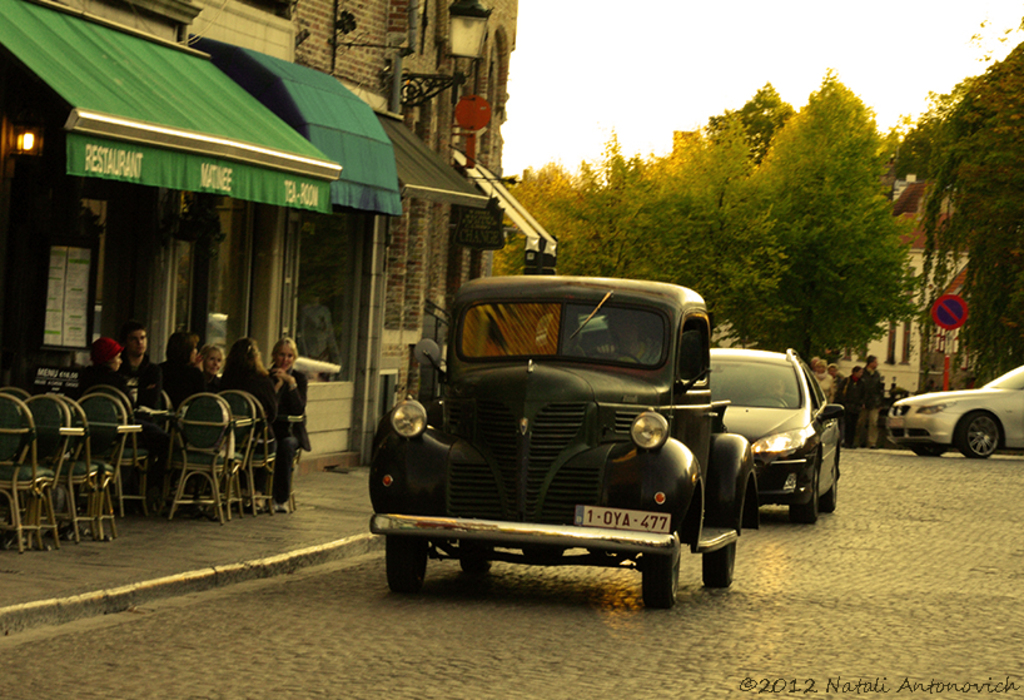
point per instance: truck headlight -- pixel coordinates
(649, 430)
(409, 419)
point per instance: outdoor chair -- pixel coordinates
(16, 392)
(25, 486)
(205, 451)
(263, 456)
(109, 428)
(54, 431)
(134, 457)
(243, 421)
(84, 479)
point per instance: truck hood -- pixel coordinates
(559, 382)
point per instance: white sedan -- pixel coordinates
(975, 421)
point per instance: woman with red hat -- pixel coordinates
(106, 359)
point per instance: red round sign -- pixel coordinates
(473, 112)
(949, 311)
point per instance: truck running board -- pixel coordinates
(712, 538)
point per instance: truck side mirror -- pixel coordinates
(428, 353)
(691, 355)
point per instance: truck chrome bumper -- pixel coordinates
(515, 534)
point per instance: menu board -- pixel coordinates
(67, 298)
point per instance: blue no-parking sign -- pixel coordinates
(949, 311)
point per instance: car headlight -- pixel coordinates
(934, 408)
(649, 430)
(781, 444)
(409, 419)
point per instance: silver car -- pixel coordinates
(975, 421)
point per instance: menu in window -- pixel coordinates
(67, 297)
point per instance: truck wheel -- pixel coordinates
(807, 512)
(660, 580)
(474, 560)
(976, 435)
(717, 566)
(406, 559)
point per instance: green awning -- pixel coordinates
(152, 113)
(327, 113)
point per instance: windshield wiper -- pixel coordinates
(587, 319)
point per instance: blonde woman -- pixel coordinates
(211, 359)
(291, 401)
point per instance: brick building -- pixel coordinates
(258, 175)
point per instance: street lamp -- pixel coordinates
(468, 32)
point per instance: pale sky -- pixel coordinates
(646, 68)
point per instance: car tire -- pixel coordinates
(807, 513)
(717, 566)
(827, 502)
(977, 435)
(406, 563)
(661, 579)
(928, 450)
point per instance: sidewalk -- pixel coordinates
(155, 558)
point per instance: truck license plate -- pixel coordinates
(622, 519)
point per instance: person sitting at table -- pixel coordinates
(180, 375)
(291, 401)
(106, 360)
(211, 359)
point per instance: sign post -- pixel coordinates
(949, 312)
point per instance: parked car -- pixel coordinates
(975, 421)
(778, 405)
(576, 427)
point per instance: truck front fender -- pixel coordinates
(731, 496)
(410, 475)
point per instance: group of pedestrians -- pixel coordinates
(862, 394)
(280, 389)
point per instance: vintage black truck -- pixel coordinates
(575, 426)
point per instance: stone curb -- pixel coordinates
(57, 611)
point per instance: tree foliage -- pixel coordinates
(981, 183)
(791, 242)
(849, 270)
(761, 118)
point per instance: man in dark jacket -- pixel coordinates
(851, 395)
(873, 391)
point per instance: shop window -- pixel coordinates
(227, 308)
(326, 321)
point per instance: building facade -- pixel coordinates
(256, 174)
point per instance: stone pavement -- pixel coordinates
(154, 558)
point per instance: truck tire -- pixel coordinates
(406, 563)
(661, 580)
(717, 566)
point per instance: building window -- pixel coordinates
(326, 322)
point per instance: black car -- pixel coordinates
(576, 427)
(777, 404)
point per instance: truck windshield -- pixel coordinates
(544, 329)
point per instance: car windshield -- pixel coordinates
(606, 333)
(755, 384)
(1014, 379)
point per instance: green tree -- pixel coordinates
(601, 215)
(714, 232)
(849, 272)
(762, 117)
(980, 180)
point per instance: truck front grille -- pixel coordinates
(493, 490)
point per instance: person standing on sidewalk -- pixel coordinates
(873, 391)
(851, 395)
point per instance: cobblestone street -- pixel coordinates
(913, 588)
